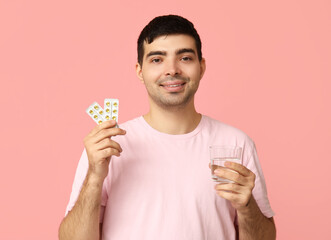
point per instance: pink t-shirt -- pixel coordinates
(161, 188)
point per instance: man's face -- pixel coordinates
(171, 70)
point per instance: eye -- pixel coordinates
(156, 60)
(186, 59)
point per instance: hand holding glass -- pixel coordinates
(221, 154)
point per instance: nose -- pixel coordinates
(172, 68)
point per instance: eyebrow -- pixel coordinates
(185, 50)
(163, 53)
(152, 53)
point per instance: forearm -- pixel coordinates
(253, 225)
(82, 222)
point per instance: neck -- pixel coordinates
(174, 120)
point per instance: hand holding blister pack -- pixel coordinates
(108, 112)
(99, 145)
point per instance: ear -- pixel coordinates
(139, 72)
(202, 67)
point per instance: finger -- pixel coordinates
(232, 197)
(106, 143)
(238, 200)
(104, 125)
(230, 187)
(230, 175)
(106, 153)
(238, 168)
(107, 133)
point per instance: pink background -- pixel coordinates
(268, 73)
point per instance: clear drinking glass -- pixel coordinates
(219, 155)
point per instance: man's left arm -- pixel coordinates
(252, 223)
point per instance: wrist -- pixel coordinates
(248, 210)
(93, 178)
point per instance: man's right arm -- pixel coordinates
(82, 222)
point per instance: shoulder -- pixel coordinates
(226, 129)
(220, 133)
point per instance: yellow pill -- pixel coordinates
(100, 122)
(95, 116)
(107, 110)
(115, 111)
(101, 112)
(115, 104)
(91, 112)
(96, 107)
(107, 117)
(108, 104)
(114, 118)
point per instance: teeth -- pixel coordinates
(175, 85)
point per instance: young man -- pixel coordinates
(149, 179)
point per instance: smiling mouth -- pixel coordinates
(173, 85)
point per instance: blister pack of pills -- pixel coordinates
(108, 112)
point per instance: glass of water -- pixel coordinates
(221, 154)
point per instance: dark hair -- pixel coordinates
(166, 25)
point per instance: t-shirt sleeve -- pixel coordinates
(260, 190)
(80, 175)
